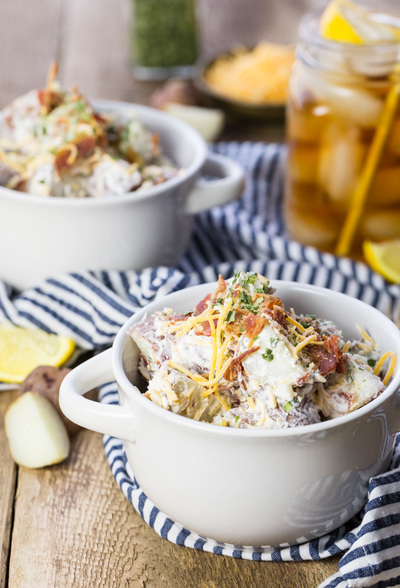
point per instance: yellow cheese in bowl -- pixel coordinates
(255, 76)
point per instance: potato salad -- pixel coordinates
(241, 359)
(54, 143)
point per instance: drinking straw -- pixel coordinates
(368, 172)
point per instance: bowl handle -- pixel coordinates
(108, 419)
(228, 184)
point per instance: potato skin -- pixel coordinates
(46, 380)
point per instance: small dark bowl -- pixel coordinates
(267, 111)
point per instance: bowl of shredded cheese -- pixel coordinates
(251, 82)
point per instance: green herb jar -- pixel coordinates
(164, 38)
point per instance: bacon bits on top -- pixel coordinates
(54, 143)
(241, 359)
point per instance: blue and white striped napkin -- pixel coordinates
(248, 235)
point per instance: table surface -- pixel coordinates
(69, 525)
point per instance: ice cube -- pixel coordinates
(349, 102)
(340, 162)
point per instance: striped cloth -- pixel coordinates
(247, 235)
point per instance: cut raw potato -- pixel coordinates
(36, 434)
(209, 122)
(46, 381)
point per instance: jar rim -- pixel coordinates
(309, 34)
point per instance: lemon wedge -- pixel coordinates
(22, 350)
(347, 22)
(384, 258)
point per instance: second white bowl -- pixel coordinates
(42, 237)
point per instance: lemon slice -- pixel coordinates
(346, 22)
(22, 350)
(384, 258)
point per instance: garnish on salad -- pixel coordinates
(54, 143)
(241, 359)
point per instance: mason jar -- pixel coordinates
(164, 38)
(338, 95)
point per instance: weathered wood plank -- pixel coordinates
(7, 489)
(74, 528)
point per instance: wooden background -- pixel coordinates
(69, 525)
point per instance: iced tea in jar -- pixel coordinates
(343, 128)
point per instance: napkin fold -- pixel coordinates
(246, 235)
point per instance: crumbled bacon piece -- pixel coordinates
(48, 99)
(272, 305)
(236, 365)
(202, 305)
(303, 379)
(278, 314)
(221, 287)
(254, 324)
(204, 328)
(243, 355)
(341, 366)
(85, 145)
(331, 345)
(325, 361)
(179, 317)
(271, 301)
(61, 159)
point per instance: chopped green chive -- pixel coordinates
(287, 406)
(230, 317)
(268, 355)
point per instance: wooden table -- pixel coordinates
(69, 525)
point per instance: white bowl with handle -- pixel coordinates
(246, 486)
(42, 237)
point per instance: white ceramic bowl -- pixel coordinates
(43, 237)
(243, 486)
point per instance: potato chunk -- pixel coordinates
(36, 434)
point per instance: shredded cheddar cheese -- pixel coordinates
(346, 346)
(365, 335)
(195, 377)
(251, 403)
(380, 363)
(191, 322)
(310, 339)
(295, 323)
(258, 76)
(287, 373)
(222, 401)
